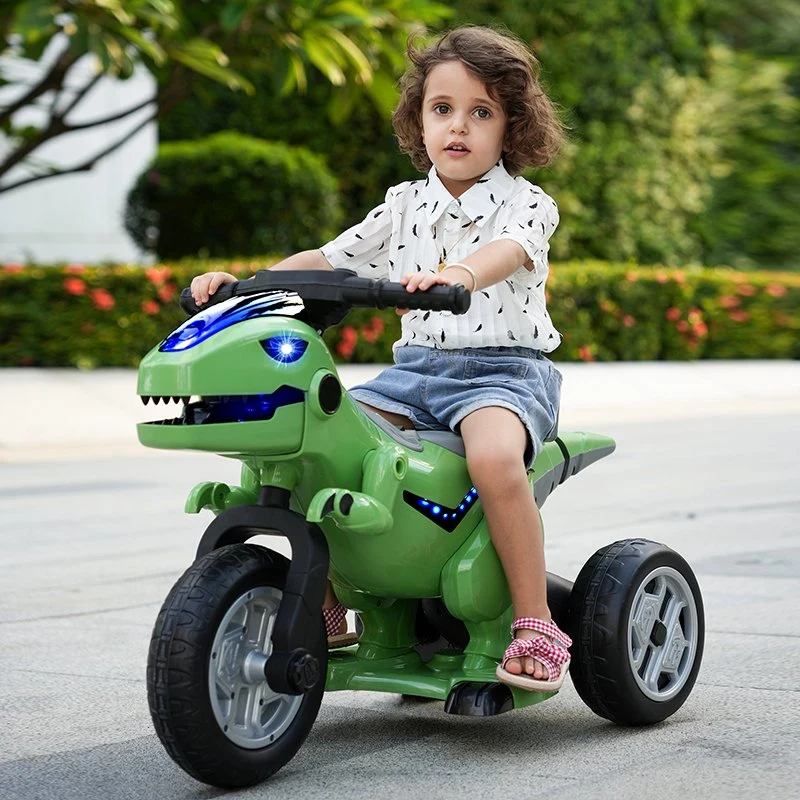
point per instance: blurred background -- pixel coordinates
(143, 142)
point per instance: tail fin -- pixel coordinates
(561, 459)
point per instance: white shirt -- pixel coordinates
(421, 223)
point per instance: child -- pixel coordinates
(471, 114)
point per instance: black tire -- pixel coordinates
(608, 643)
(179, 675)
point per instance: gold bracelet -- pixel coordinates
(468, 269)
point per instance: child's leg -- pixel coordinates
(495, 441)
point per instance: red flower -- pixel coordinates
(747, 290)
(673, 314)
(167, 293)
(158, 275)
(776, 290)
(679, 276)
(12, 266)
(150, 307)
(377, 324)
(661, 276)
(628, 321)
(102, 299)
(585, 353)
(75, 286)
(739, 316)
(729, 301)
(348, 341)
(632, 277)
(682, 326)
(74, 268)
(700, 328)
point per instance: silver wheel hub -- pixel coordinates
(247, 711)
(662, 633)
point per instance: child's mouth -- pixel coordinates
(457, 151)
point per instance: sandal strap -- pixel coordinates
(541, 626)
(549, 654)
(333, 618)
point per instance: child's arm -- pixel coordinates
(493, 263)
(203, 286)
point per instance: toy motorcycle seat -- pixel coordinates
(413, 438)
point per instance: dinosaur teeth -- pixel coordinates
(145, 400)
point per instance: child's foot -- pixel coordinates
(336, 627)
(538, 657)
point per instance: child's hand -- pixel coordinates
(203, 286)
(424, 280)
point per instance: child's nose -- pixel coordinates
(458, 123)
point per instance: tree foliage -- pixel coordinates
(188, 46)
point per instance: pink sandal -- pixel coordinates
(551, 652)
(333, 624)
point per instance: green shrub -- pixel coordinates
(111, 316)
(231, 195)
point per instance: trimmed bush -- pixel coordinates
(111, 316)
(231, 195)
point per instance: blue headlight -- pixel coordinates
(285, 348)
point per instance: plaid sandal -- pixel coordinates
(551, 652)
(334, 617)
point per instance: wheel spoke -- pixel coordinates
(676, 642)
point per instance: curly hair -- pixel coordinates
(510, 72)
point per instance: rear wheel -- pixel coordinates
(210, 703)
(636, 617)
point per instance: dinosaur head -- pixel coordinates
(241, 372)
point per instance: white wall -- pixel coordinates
(78, 218)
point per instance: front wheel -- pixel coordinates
(209, 700)
(636, 617)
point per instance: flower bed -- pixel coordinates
(87, 317)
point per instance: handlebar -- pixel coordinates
(339, 287)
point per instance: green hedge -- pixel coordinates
(111, 316)
(231, 195)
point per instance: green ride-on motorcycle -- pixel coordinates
(239, 658)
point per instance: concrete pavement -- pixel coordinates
(93, 535)
(68, 414)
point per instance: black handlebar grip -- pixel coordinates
(188, 304)
(383, 294)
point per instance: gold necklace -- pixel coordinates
(443, 254)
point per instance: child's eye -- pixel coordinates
(483, 113)
(441, 108)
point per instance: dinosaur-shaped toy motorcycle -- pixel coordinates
(239, 661)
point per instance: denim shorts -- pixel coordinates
(436, 388)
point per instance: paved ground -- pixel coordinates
(93, 536)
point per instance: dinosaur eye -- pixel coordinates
(286, 348)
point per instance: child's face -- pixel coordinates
(463, 129)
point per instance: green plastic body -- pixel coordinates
(384, 553)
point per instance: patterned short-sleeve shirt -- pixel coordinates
(420, 224)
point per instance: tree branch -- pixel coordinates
(80, 94)
(53, 80)
(113, 118)
(57, 127)
(86, 165)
